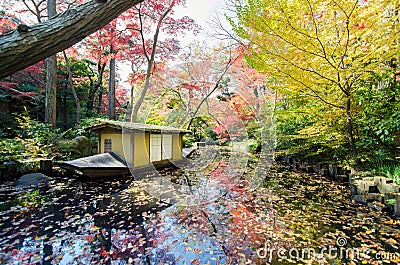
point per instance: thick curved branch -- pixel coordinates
(21, 49)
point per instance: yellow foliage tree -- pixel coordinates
(321, 49)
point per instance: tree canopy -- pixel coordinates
(321, 50)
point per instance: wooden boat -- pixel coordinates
(110, 164)
(101, 165)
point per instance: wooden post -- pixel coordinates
(46, 166)
(397, 205)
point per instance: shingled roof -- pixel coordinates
(119, 125)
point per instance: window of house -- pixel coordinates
(160, 147)
(107, 145)
(166, 146)
(155, 147)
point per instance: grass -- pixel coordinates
(391, 171)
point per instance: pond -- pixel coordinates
(120, 221)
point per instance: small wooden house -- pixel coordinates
(141, 145)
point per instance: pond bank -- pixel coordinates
(317, 212)
(373, 190)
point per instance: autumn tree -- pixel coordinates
(104, 47)
(109, 38)
(151, 19)
(97, 55)
(8, 22)
(141, 21)
(320, 50)
(187, 87)
(213, 93)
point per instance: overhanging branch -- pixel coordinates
(19, 50)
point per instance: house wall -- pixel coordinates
(116, 143)
(176, 146)
(139, 143)
(120, 143)
(141, 148)
(127, 147)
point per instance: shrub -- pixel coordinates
(389, 170)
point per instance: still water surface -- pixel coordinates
(116, 221)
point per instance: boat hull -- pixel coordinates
(102, 165)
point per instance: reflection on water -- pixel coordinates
(85, 221)
(179, 244)
(77, 220)
(117, 221)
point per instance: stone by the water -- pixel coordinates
(32, 180)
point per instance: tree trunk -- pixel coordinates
(111, 88)
(128, 113)
(94, 87)
(21, 49)
(63, 111)
(51, 91)
(350, 127)
(100, 100)
(150, 62)
(51, 77)
(190, 95)
(139, 102)
(188, 107)
(71, 85)
(90, 100)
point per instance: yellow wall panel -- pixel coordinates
(127, 147)
(116, 143)
(141, 149)
(176, 146)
